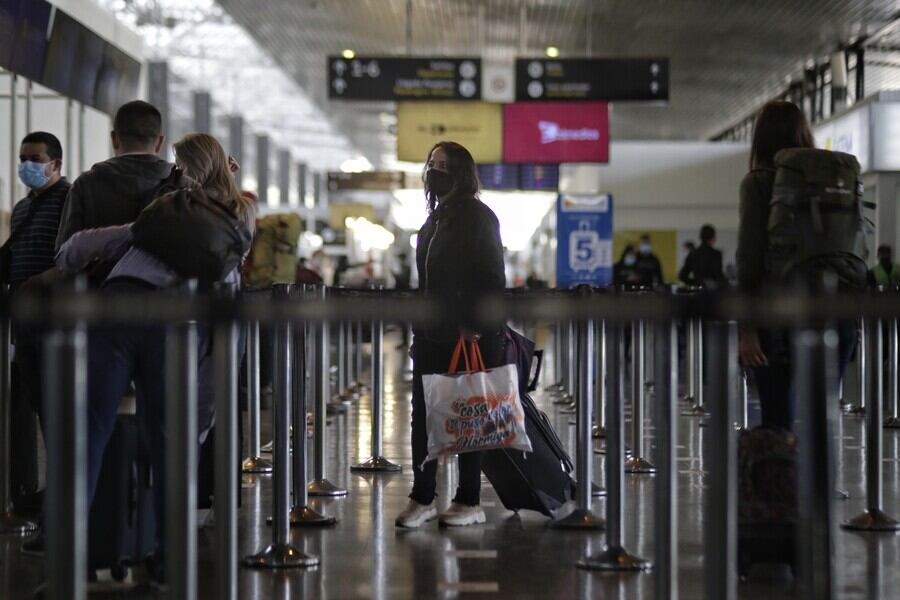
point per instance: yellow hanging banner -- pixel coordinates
(476, 125)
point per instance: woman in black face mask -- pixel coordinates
(459, 256)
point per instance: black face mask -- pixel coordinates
(438, 182)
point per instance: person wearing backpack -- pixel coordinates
(795, 237)
(201, 231)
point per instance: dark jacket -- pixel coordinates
(703, 267)
(648, 270)
(459, 256)
(112, 192)
(753, 232)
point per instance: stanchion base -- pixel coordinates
(281, 556)
(637, 465)
(598, 432)
(872, 519)
(304, 516)
(13, 524)
(376, 464)
(695, 411)
(569, 409)
(688, 399)
(614, 558)
(857, 411)
(256, 464)
(597, 491)
(323, 487)
(267, 448)
(579, 519)
(562, 399)
(892, 423)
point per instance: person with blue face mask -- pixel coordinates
(647, 265)
(29, 251)
(624, 272)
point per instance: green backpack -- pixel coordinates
(816, 221)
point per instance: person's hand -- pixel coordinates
(749, 350)
(233, 165)
(469, 335)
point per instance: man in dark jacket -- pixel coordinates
(703, 266)
(114, 191)
(647, 268)
(33, 226)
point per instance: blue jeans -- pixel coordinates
(118, 356)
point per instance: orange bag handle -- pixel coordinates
(476, 363)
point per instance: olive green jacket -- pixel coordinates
(753, 239)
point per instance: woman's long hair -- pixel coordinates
(460, 166)
(205, 163)
(779, 125)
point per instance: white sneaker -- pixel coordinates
(416, 514)
(460, 515)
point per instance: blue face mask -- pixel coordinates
(630, 259)
(33, 174)
(645, 248)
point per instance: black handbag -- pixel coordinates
(196, 235)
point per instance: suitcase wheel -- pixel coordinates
(118, 572)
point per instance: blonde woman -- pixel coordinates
(118, 356)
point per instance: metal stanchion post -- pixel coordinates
(561, 394)
(66, 510)
(614, 557)
(571, 370)
(637, 464)
(181, 460)
(873, 518)
(254, 463)
(557, 360)
(815, 354)
(225, 349)
(599, 430)
(893, 420)
(353, 372)
(666, 493)
(280, 553)
(721, 504)
(360, 384)
(341, 395)
(689, 354)
(320, 486)
(376, 462)
(10, 523)
(582, 517)
(744, 423)
(862, 360)
(699, 408)
(302, 514)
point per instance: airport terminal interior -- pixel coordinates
(449, 298)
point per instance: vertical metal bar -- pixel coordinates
(65, 410)
(377, 386)
(29, 108)
(225, 349)
(342, 359)
(815, 359)
(158, 92)
(862, 360)
(745, 400)
(582, 517)
(202, 111)
(284, 177)
(236, 145)
(281, 389)
(254, 463)
(409, 27)
(359, 355)
(874, 518)
(13, 140)
(638, 463)
(557, 353)
(181, 460)
(301, 189)
(69, 142)
(690, 357)
(262, 169)
(82, 140)
(600, 376)
(571, 363)
(860, 73)
(893, 420)
(666, 493)
(699, 363)
(721, 540)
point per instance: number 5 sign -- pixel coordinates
(584, 245)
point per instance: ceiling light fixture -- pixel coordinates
(348, 54)
(552, 51)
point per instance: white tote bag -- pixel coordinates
(475, 410)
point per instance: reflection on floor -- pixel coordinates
(511, 556)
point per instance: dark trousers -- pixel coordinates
(116, 357)
(25, 413)
(775, 382)
(430, 358)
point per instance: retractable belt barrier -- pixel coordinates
(300, 322)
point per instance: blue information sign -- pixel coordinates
(584, 228)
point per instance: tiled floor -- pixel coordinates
(511, 556)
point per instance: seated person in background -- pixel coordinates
(119, 355)
(703, 266)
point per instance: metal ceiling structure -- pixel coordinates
(727, 56)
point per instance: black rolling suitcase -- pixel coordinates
(767, 498)
(121, 525)
(538, 480)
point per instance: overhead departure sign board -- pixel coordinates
(400, 78)
(608, 79)
(372, 181)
